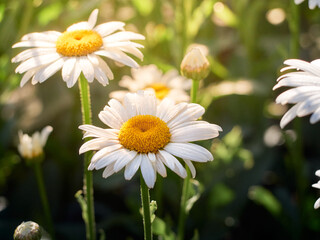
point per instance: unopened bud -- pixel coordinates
(27, 231)
(195, 65)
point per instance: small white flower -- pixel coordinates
(78, 49)
(305, 91)
(148, 136)
(312, 3)
(32, 147)
(317, 185)
(170, 84)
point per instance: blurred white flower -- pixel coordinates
(305, 91)
(170, 84)
(32, 147)
(317, 185)
(78, 49)
(148, 136)
(195, 65)
(312, 3)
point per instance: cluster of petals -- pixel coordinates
(32, 147)
(312, 3)
(181, 120)
(150, 77)
(304, 90)
(317, 185)
(43, 59)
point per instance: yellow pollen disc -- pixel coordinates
(160, 89)
(78, 43)
(144, 134)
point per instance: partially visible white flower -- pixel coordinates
(150, 77)
(148, 136)
(305, 91)
(312, 3)
(195, 65)
(78, 49)
(32, 147)
(317, 185)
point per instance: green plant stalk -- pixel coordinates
(186, 182)
(145, 201)
(44, 198)
(296, 149)
(87, 178)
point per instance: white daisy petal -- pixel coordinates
(108, 159)
(317, 185)
(161, 169)
(74, 75)
(110, 117)
(67, 69)
(118, 56)
(96, 144)
(35, 43)
(36, 62)
(191, 167)
(33, 52)
(124, 160)
(289, 116)
(148, 171)
(123, 36)
(109, 27)
(132, 167)
(189, 151)
(305, 91)
(104, 152)
(108, 171)
(93, 18)
(172, 163)
(195, 132)
(117, 106)
(87, 68)
(46, 72)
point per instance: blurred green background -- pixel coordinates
(258, 186)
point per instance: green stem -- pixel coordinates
(294, 25)
(44, 198)
(186, 182)
(145, 200)
(87, 179)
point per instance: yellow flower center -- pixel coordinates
(144, 134)
(160, 89)
(78, 43)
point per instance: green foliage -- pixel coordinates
(264, 197)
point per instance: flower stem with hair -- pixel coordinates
(89, 218)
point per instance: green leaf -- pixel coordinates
(199, 15)
(160, 228)
(144, 7)
(224, 14)
(221, 195)
(265, 198)
(196, 189)
(50, 13)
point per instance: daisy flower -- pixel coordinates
(32, 147)
(317, 185)
(312, 3)
(78, 49)
(148, 136)
(305, 91)
(170, 84)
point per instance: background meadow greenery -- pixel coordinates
(258, 186)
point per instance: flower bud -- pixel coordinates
(27, 231)
(195, 65)
(31, 148)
